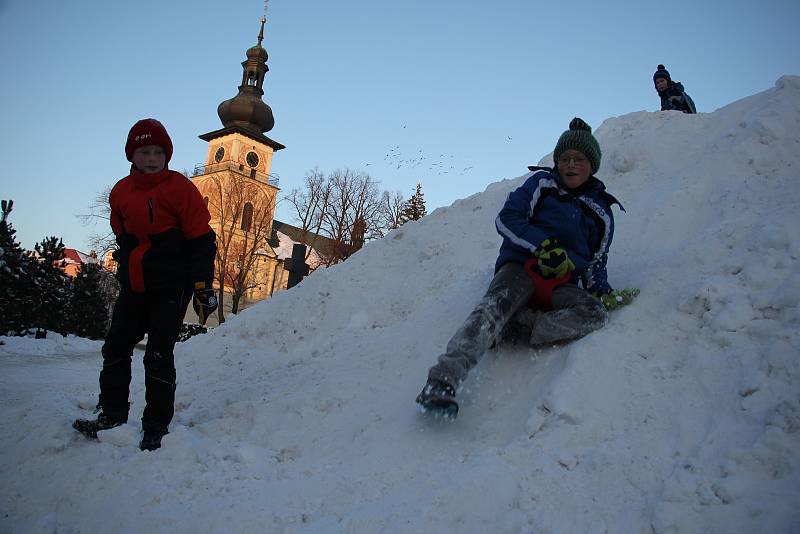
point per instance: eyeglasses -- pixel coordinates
(577, 160)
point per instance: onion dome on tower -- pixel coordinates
(246, 113)
(247, 109)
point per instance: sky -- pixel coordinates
(681, 415)
(480, 90)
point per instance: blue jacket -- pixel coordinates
(675, 98)
(581, 220)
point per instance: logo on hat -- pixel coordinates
(147, 132)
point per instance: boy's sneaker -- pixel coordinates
(90, 427)
(438, 398)
(151, 439)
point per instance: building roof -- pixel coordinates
(283, 250)
(72, 255)
(320, 243)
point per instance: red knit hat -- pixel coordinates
(148, 132)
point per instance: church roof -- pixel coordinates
(246, 132)
(247, 110)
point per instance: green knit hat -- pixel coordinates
(579, 137)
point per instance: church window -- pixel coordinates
(247, 217)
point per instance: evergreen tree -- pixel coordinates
(16, 297)
(50, 286)
(414, 208)
(88, 310)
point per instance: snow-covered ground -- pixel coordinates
(298, 415)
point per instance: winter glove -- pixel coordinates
(204, 301)
(553, 260)
(617, 298)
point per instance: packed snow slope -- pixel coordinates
(298, 415)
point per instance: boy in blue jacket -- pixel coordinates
(557, 229)
(672, 94)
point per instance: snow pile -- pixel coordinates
(53, 345)
(682, 415)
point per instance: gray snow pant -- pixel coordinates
(575, 313)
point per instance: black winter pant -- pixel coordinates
(160, 315)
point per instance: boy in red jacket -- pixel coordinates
(165, 257)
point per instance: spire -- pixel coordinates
(246, 109)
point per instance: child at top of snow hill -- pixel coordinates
(557, 229)
(165, 254)
(673, 97)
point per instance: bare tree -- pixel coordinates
(367, 210)
(100, 212)
(310, 203)
(243, 213)
(347, 207)
(392, 205)
(354, 196)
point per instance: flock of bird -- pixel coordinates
(443, 164)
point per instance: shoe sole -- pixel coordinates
(444, 408)
(89, 433)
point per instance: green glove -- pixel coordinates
(553, 260)
(618, 297)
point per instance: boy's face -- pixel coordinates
(662, 84)
(150, 159)
(574, 168)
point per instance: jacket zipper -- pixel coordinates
(150, 209)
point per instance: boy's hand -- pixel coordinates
(204, 301)
(553, 260)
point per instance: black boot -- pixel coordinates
(90, 427)
(438, 398)
(152, 434)
(518, 329)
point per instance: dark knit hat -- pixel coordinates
(579, 137)
(148, 132)
(661, 72)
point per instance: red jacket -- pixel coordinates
(161, 224)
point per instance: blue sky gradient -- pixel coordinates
(481, 89)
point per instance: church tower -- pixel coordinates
(241, 142)
(239, 189)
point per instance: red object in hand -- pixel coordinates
(543, 287)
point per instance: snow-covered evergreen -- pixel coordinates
(50, 286)
(297, 415)
(16, 298)
(87, 310)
